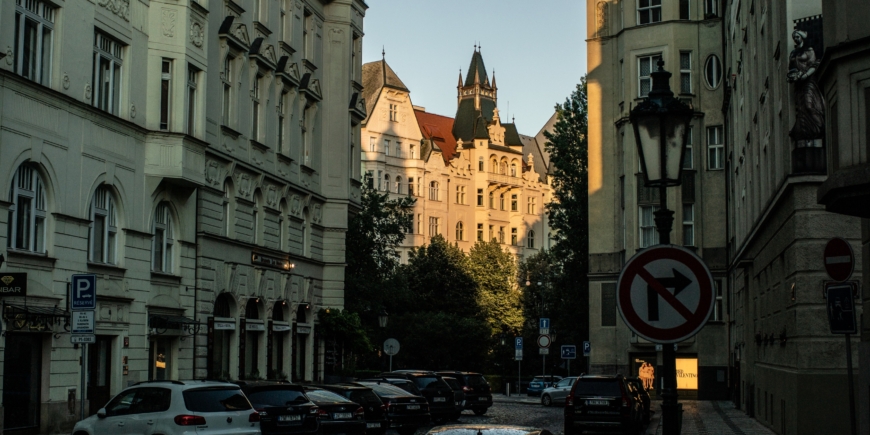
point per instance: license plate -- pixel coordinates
(289, 417)
(373, 425)
(596, 402)
(341, 415)
(439, 399)
(483, 399)
(413, 406)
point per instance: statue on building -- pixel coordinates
(809, 126)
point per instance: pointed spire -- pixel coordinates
(493, 78)
(384, 64)
(460, 78)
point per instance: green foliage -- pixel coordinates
(346, 328)
(494, 269)
(435, 340)
(438, 279)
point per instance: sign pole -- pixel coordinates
(851, 384)
(84, 367)
(664, 219)
(520, 377)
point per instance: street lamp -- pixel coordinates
(382, 318)
(661, 128)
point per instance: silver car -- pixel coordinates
(557, 393)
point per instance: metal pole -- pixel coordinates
(664, 219)
(84, 367)
(569, 368)
(851, 385)
(520, 377)
(391, 362)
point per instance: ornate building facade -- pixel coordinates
(178, 151)
(473, 175)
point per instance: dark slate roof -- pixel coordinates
(505, 149)
(476, 68)
(511, 135)
(375, 76)
(542, 155)
(463, 124)
(480, 130)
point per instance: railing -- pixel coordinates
(503, 179)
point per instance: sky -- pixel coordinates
(537, 49)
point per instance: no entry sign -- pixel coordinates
(665, 294)
(839, 259)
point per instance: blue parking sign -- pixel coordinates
(569, 351)
(518, 343)
(587, 348)
(83, 292)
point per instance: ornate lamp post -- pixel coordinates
(661, 127)
(382, 318)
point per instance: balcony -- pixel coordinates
(175, 156)
(503, 179)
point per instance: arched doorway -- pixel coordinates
(252, 344)
(222, 329)
(301, 332)
(278, 334)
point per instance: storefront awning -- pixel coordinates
(34, 318)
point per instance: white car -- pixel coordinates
(558, 392)
(175, 408)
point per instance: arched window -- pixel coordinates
(530, 240)
(480, 164)
(459, 231)
(492, 200)
(103, 231)
(494, 166)
(513, 169)
(501, 201)
(27, 213)
(503, 168)
(433, 190)
(162, 240)
(221, 352)
(387, 182)
(713, 71)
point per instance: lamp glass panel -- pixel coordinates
(676, 133)
(649, 130)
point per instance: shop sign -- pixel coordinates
(256, 327)
(13, 284)
(225, 325)
(280, 328)
(303, 329)
(687, 373)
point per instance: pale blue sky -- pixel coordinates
(537, 49)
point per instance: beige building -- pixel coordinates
(791, 371)
(178, 151)
(474, 177)
(626, 38)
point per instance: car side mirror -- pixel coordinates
(101, 413)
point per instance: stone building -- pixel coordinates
(790, 371)
(474, 176)
(176, 150)
(626, 39)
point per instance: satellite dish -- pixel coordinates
(391, 346)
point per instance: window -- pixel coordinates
(713, 71)
(646, 65)
(460, 194)
(398, 149)
(685, 72)
(398, 184)
(386, 182)
(372, 146)
(107, 73)
(501, 234)
(307, 29)
(514, 237)
(192, 76)
(684, 9)
(532, 205)
(513, 169)
(715, 148)
(434, 226)
(411, 186)
(165, 92)
(161, 240)
(514, 202)
(255, 108)
(480, 164)
(491, 233)
(420, 223)
(608, 304)
(228, 209)
(648, 234)
(282, 120)
(649, 11)
(492, 200)
(412, 151)
(34, 23)
(255, 224)
(307, 119)
(226, 100)
(433, 190)
(718, 311)
(530, 239)
(689, 156)
(394, 109)
(103, 232)
(711, 8)
(480, 197)
(479, 232)
(27, 214)
(493, 166)
(501, 204)
(689, 224)
(460, 231)
(386, 147)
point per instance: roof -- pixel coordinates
(438, 129)
(376, 76)
(476, 71)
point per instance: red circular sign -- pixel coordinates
(839, 259)
(544, 341)
(646, 302)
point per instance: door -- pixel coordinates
(22, 378)
(99, 373)
(161, 359)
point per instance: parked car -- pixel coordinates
(402, 383)
(175, 407)
(376, 416)
(478, 394)
(338, 415)
(539, 383)
(406, 412)
(602, 403)
(637, 383)
(433, 388)
(558, 392)
(486, 429)
(284, 408)
(458, 396)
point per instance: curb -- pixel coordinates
(520, 401)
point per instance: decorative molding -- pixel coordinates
(65, 81)
(317, 214)
(120, 8)
(169, 18)
(197, 34)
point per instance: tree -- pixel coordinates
(438, 279)
(494, 270)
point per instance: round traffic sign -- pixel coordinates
(391, 346)
(665, 294)
(839, 259)
(544, 341)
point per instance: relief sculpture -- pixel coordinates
(809, 125)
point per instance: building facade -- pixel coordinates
(474, 177)
(626, 39)
(789, 369)
(176, 150)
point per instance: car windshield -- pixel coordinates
(475, 380)
(386, 389)
(597, 387)
(276, 397)
(454, 384)
(365, 397)
(325, 396)
(544, 379)
(424, 382)
(218, 399)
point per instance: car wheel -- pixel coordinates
(406, 430)
(546, 400)
(480, 411)
(455, 417)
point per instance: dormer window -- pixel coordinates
(394, 112)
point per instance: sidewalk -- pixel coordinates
(704, 417)
(522, 399)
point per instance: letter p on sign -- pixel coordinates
(84, 292)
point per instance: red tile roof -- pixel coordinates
(439, 130)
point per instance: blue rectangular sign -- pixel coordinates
(83, 292)
(518, 343)
(569, 351)
(544, 323)
(587, 348)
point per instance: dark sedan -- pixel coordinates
(376, 418)
(405, 411)
(284, 408)
(478, 395)
(433, 388)
(458, 396)
(338, 415)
